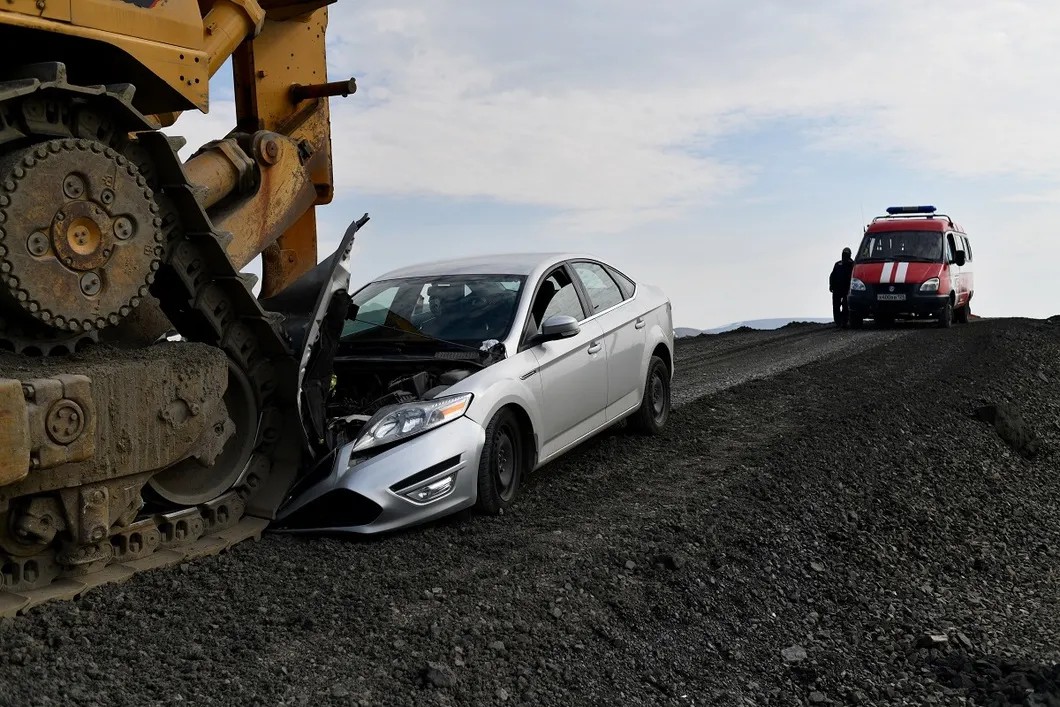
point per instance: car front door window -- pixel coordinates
(557, 295)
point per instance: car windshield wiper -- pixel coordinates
(916, 258)
(415, 332)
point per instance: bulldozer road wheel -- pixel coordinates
(92, 223)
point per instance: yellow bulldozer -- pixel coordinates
(148, 397)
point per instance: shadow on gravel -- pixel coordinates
(999, 682)
(1011, 427)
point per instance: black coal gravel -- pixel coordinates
(848, 531)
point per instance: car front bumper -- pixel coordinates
(365, 494)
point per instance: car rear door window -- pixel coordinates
(624, 283)
(603, 292)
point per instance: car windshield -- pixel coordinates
(461, 309)
(901, 245)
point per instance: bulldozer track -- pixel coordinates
(205, 298)
(14, 603)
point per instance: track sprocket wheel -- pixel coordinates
(80, 236)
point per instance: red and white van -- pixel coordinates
(912, 263)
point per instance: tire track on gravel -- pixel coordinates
(711, 367)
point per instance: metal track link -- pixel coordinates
(205, 298)
(13, 603)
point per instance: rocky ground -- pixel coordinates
(878, 525)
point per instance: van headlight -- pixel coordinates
(856, 285)
(410, 419)
(931, 285)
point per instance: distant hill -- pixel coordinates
(764, 324)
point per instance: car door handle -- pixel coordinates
(595, 348)
(640, 323)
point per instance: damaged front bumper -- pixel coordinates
(397, 487)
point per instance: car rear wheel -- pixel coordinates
(501, 467)
(964, 314)
(654, 408)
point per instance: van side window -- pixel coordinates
(968, 249)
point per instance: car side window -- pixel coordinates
(968, 246)
(624, 283)
(557, 295)
(601, 288)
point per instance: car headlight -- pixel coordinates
(410, 419)
(856, 285)
(931, 285)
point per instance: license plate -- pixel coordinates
(891, 298)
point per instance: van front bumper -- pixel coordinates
(868, 304)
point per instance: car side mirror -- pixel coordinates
(959, 258)
(558, 326)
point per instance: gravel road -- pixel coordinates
(876, 521)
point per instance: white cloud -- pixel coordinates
(608, 114)
(612, 117)
(547, 108)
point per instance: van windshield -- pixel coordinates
(901, 245)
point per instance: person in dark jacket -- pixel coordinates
(839, 286)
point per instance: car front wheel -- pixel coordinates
(654, 408)
(500, 469)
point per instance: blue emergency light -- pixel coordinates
(910, 210)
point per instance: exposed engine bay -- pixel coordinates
(362, 387)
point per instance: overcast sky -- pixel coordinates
(725, 150)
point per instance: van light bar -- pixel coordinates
(910, 210)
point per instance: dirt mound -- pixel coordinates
(828, 535)
(803, 325)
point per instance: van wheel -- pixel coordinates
(654, 408)
(946, 315)
(964, 314)
(500, 469)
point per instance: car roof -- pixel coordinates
(494, 264)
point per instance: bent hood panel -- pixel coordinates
(314, 310)
(894, 272)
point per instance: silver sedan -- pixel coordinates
(438, 387)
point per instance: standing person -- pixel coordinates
(839, 286)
